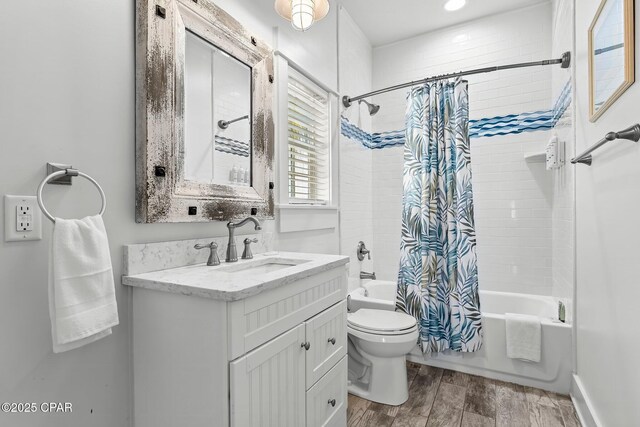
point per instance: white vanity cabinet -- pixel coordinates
(276, 357)
(269, 385)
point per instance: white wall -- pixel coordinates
(314, 51)
(356, 198)
(67, 94)
(512, 197)
(608, 289)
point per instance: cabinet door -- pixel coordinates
(327, 399)
(268, 384)
(327, 334)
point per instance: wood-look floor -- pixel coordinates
(439, 397)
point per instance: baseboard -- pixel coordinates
(583, 405)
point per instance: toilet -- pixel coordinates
(378, 342)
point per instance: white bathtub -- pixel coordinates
(555, 367)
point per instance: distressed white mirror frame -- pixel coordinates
(629, 58)
(162, 193)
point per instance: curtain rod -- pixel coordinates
(565, 61)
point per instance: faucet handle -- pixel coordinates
(247, 254)
(362, 251)
(212, 245)
(213, 254)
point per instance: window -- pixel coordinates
(308, 141)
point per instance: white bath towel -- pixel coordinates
(523, 337)
(82, 302)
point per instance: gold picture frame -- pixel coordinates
(600, 102)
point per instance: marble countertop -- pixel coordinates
(227, 281)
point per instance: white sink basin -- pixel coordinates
(262, 266)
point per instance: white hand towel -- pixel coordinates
(523, 337)
(82, 302)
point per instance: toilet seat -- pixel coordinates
(381, 322)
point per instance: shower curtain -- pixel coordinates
(438, 277)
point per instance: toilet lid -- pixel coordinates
(381, 320)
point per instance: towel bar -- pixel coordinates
(68, 172)
(631, 133)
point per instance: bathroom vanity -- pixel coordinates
(256, 342)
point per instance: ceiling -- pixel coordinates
(387, 21)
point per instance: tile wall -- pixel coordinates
(356, 161)
(514, 198)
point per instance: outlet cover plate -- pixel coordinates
(12, 205)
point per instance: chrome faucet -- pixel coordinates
(232, 254)
(365, 275)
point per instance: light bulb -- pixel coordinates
(302, 12)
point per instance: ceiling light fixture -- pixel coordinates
(302, 13)
(452, 5)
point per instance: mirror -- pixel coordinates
(205, 131)
(217, 112)
(611, 54)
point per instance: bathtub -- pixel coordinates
(552, 373)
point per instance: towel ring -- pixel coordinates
(69, 172)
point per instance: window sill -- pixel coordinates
(307, 207)
(307, 217)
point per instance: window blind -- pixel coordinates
(308, 141)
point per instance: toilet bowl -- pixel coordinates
(379, 341)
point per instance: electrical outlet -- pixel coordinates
(22, 219)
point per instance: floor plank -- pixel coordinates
(455, 377)
(356, 407)
(545, 416)
(511, 406)
(412, 371)
(448, 406)
(560, 399)
(392, 411)
(469, 419)
(375, 419)
(567, 410)
(569, 416)
(422, 392)
(535, 396)
(481, 397)
(408, 420)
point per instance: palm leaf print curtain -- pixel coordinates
(438, 277)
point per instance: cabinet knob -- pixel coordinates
(305, 345)
(332, 341)
(332, 402)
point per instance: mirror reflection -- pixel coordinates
(217, 126)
